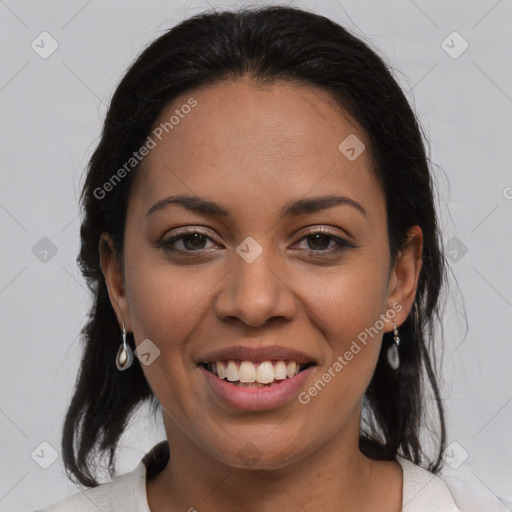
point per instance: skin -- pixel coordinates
(252, 149)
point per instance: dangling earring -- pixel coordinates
(393, 355)
(124, 358)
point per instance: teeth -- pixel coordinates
(280, 370)
(232, 371)
(248, 372)
(265, 372)
(291, 369)
(221, 371)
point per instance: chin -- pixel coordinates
(260, 454)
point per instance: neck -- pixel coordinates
(336, 476)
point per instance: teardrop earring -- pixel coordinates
(393, 355)
(124, 358)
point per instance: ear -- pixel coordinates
(403, 279)
(111, 267)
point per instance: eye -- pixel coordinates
(186, 241)
(320, 241)
(193, 242)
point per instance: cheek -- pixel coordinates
(345, 300)
(346, 306)
(163, 298)
(167, 304)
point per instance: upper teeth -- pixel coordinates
(247, 371)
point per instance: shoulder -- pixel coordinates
(125, 492)
(423, 491)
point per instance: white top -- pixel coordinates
(422, 492)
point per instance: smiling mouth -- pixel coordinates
(255, 375)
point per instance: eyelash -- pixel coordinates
(342, 244)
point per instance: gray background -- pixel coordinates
(52, 113)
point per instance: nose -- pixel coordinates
(255, 293)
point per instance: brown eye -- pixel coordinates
(194, 241)
(319, 243)
(186, 242)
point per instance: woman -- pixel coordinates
(259, 227)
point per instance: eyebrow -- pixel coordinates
(292, 208)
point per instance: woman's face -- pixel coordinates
(260, 284)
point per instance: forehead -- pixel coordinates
(249, 144)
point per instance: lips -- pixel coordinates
(249, 364)
(255, 396)
(257, 354)
(256, 378)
